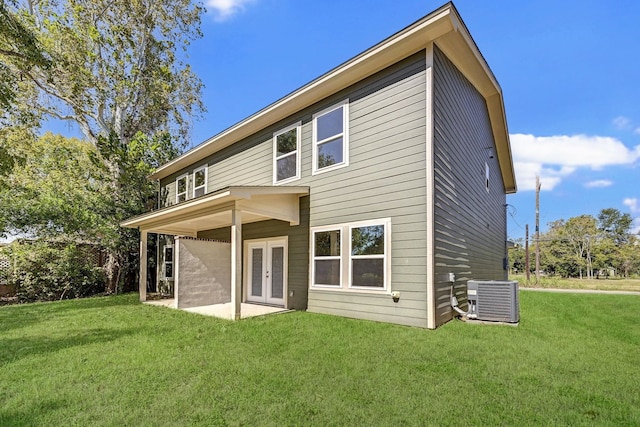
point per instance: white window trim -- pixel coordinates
(338, 257)
(386, 223)
(165, 262)
(298, 127)
(346, 257)
(206, 179)
(345, 138)
(186, 187)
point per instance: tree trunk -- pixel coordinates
(112, 271)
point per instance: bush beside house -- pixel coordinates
(48, 271)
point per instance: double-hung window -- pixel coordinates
(286, 154)
(368, 265)
(354, 256)
(200, 181)
(181, 188)
(331, 138)
(327, 263)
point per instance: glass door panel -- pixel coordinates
(276, 282)
(257, 272)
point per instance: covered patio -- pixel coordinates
(229, 207)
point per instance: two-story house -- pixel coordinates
(372, 192)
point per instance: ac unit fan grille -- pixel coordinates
(494, 300)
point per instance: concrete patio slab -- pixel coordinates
(223, 311)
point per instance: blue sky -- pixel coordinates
(568, 70)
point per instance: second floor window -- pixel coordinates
(286, 158)
(181, 189)
(200, 181)
(330, 138)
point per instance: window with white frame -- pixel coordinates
(181, 188)
(286, 154)
(168, 262)
(200, 181)
(359, 261)
(331, 138)
(367, 256)
(327, 263)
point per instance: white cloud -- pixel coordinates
(600, 183)
(633, 204)
(224, 9)
(621, 122)
(556, 157)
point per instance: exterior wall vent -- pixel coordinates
(493, 300)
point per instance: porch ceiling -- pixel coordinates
(214, 210)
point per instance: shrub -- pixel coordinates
(45, 271)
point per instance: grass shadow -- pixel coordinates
(13, 349)
(30, 415)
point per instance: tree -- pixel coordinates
(59, 193)
(56, 193)
(614, 236)
(580, 232)
(117, 70)
(615, 225)
(556, 252)
(629, 257)
(116, 67)
(57, 190)
(136, 195)
(20, 52)
(568, 246)
(517, 257)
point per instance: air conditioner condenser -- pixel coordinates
(493, 300)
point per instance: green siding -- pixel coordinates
(470, 223)
(298, 244)
(386, 178)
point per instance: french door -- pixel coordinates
(267, 271)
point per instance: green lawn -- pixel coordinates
(573, 360)
(613, 284)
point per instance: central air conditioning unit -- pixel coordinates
(493, 300)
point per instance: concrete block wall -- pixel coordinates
(203, 274)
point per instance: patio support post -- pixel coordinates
(143, 265)
(236, 262)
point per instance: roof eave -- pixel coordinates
(443, 26)
(398, 46)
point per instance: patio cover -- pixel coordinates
(231, 206)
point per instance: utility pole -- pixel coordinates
(527, 268)
(538, 185)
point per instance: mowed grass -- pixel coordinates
(573, 360)
(611, 284)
